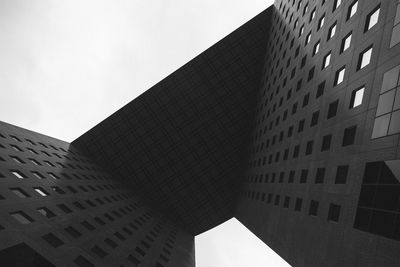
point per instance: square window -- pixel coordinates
(349, 135)
(339, 76)
(313, 208)
(334, 213)
(79, 205)
(385, 103)
(326, 61)
(352, 9)
(53, 240)
(331, 31)
(372, 18)
(19, 192)
(332, 110)
(298, 204)
(46, 212)
(21, 217)
(41, 191)
(364, 58)
(326, 142)
(320, 175)
(357, 97)
(306, 99)
(346, 42)
(341, 174)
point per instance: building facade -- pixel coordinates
(291, 124)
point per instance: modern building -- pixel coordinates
(291, 124)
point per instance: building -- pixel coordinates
(291, 124)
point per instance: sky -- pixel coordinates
(67, 65)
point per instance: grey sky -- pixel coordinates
(67, 65)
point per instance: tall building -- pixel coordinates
(291, 124)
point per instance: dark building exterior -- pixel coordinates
(291, 124)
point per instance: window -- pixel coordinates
(320, 90)
(308, 38)
(316, 48)
(286, 202)
(334, 212)
(19, 192)
(309, 147)
(333, 109)
(99, 251)
(53, 240)
(336, 4)
(339, 75)
(313, 208)
(303, 176)
(327, 60)
(82, 262)
(88, 225)
(301, 30)
(326, 142)
(364, 58)
(58, 190)
(79, 205)
(21, 217)
(321, 22)
(314, 118)
(18, 174)
(349, 135)
(38, 175)
(356, 97)
(17, 160)
(41, 191)
(312, 14)
(35, 162)
(332, 31)
(341, 174)
(352, 10)
(346, 42)
(298, 204)
(73, 232)
(64, 208)
(372, 18)
(52, 175)
(46, 212)
(110, 242)
(319, 176)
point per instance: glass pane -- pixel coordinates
(381, 126)
(390, 79)
(385, 103)
(366, 58)
(347, 43)
(340, 76)
(373, 19)
(21, 217)
(397, 100)
(395, 39)
(353, 9)
(395, 123)
(358, 97)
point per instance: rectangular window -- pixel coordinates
(364, 58)
(64, 208)
(17, 160)
(53, 240)
(334, 213)
(21, 217)
(99, 251)
(341, 174)
(18, 174)
(332, 110)
(35, 162)
(346, 42)
(316, 48)
(357, 97)
(331, 31)
(349, 135)
(303, 176)
(326, 61)
(339, 75)
(110, 242)
(326, 142)
(314, 118)
(46, 212)
(58, 190)
(336, 4)
(320, 90)
(352, 10)
(309, 147)
(41, 191)
(19, 192)
(320, 175)
(298, 204)
(38, 175)
(308, 38)
(372, 18)
(73, 232)
(321, 22)
(313, 208)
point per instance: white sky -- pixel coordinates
(67, 65)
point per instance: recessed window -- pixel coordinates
(332, 109)
(309, 147)
(321, 22)
(336, 4)
(46, 212)
(334, 213)
(303, 176)
(73, 232)
(341, 174)
(17, 160)
(314, 118)
(364, 58)
(326, 142)
(349, 135)
(308, 38)
(35, 162)
(313, 208)
(79, 205)
(110, 242)
(312, 14)
(21, 217)
(320, 175)
(357, 97)
(352, 9)
(38, 175)
(286, 202)
(64, 208)
(19, 192)
(58, 190)
(339, 75)
(88, 225)
(41, 191)
(332, 31)
(53, 240)
(99, 251)
(16, 148)
(301, 30)
(316, 48)
(327, 60)
(133, 259)
(298, 204)
(372, 18)
(346, 42)
(320, 90)
(18, 174)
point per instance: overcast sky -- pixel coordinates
(67, 65)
